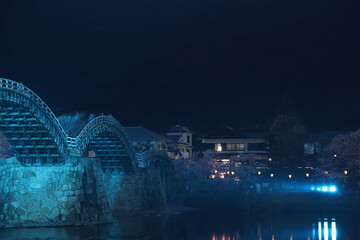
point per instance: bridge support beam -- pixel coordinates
(73, 194)
(143, 189)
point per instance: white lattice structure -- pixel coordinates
(28, 123)
(38, 138)
(146, 158)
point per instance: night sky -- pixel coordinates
(200, 63)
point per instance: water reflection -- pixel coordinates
(323, 229)
(205, 226)
(326, 229)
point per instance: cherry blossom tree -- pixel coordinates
(192, 174)
(342, 156)
(204, 172)
(247, 168)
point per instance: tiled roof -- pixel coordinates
(143, 134)
(231, 133)
(174, 138)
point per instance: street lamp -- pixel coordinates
(290, 176)
(345, 172)
(259, 173)
(307, 174)
(271, 175)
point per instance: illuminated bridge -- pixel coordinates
(38, 138)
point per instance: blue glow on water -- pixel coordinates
(333, 230)
(319, 230)
(325, 188)
(326, 230)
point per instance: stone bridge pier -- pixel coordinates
(77, 193)
(71, 194)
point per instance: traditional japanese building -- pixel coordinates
(143, 139)
(181, 142)
(226, 142)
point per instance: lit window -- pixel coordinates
(218, 147)
(235, 146)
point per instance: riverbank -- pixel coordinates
(172, 209)
(272, 202)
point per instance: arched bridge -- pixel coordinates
(38, 138)
(29, 125)
(105, 136)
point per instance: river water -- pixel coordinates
(207, 226)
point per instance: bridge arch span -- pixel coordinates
(108, 139)
(152, 158)
(29, 125)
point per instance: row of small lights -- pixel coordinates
(222, 175)
(306, 174)
(271, 174)
(290, 175)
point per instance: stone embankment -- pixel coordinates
(77, 193)
(51, 196)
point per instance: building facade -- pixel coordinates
(181, 145)
(143, 139)
(227, 142)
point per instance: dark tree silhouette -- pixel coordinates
(286, 138)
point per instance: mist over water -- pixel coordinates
(207, 226)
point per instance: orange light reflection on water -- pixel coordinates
(223, 237)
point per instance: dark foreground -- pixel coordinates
(209, 225)
(225, 216)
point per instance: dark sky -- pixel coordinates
(201, 63)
